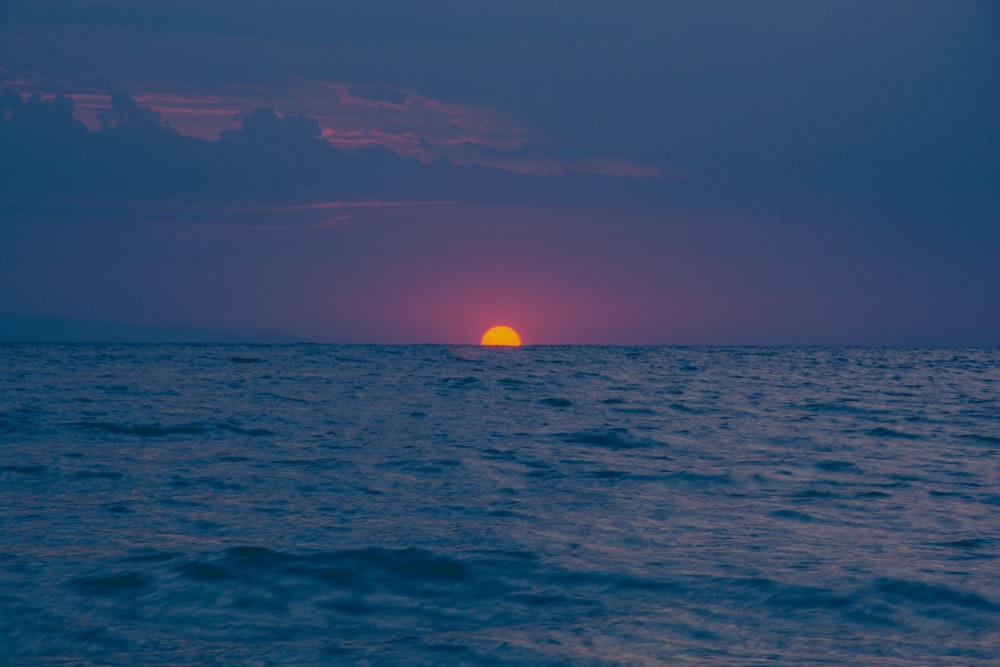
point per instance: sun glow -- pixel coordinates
(501, 336)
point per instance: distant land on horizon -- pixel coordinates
(36, 328)
(47, 328)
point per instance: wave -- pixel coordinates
(928, 594)
(990, 439)
(30, 469)
(556, 402)
(519, 578)
(416, 605)
(615, 438)
(883, 432)
(160, 431)
(834, 465)
(246, 360)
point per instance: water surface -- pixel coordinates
(304, 504)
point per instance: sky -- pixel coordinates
(765, 172)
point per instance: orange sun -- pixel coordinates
(501, 336)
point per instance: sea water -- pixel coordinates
(435, 505)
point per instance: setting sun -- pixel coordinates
(501, 336)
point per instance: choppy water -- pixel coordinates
(192, 505)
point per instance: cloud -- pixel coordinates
(322, 224)
(125, 115)
(375, 96)
(323, 205)
(354, 117)
(267, 158)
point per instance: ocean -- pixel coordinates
(444, 505)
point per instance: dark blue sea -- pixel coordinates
(436, 505)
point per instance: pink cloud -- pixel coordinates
(346, 204)
(410, 123)
(355, 117)
(202, 116)
(347, 97)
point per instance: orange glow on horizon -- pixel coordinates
(501, 335)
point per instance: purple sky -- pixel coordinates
(655, 172)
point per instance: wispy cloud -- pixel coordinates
(346, 204)
(338, 221)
